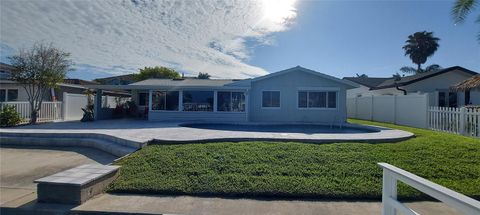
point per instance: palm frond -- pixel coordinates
(462, 8)
(408, 70)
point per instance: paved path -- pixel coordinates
(201, 205)
(19, 167)
(143, 131)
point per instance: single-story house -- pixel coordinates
(471, 87)
(437, 84)
(292, 95)
(11, 91)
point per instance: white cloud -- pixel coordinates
(122, 36)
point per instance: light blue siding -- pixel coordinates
(289, 84)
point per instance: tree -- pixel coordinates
(397, 76)
(362, 75)
(203, 76)
(156, 72)
(461, 9)
(420, 46)
(411, 70)
(39, 69)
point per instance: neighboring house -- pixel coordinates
(437, 84)
(117, 80)
(470, 87)
(11, 91)
(292, 95)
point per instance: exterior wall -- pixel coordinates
(439, 82)
(196, 116)
(288, 84)
(475, 97)
(22, 94)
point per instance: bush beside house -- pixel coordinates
(9, 117)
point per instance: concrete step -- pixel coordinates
(105, 145)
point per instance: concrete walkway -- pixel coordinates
(202, 205)
(143, 131)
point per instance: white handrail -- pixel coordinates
(390, 205)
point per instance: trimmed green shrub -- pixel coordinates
(9, 116)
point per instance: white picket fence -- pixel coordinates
(50, 111)
(464, 121)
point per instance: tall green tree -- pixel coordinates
(461, 9)
(202, 75)
(156, 72)
(420, 46)
(39, 69)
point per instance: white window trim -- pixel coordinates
(231, 92)
(319, 108)
(279, 100)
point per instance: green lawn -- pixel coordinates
(301, 170)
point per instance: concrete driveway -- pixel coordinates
(19, 167)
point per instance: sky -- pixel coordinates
(237, 39)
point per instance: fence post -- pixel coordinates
(64, 106)
(462, 121)
(389, 190)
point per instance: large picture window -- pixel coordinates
(197, 100)
(165, 100)
(231, 101)
(317, 99)
(271, 99)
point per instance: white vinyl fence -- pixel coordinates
(72, 106)
(410, 110)
(464, 121)
(50, 111)
(413, 110)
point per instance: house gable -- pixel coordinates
(346, 84)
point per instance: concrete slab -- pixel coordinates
(143, 131)
(204, 205)
(19, 167)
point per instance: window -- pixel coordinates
(271, 99)
(165, 100)
(3, 95)
(441, 99)
(317, 99)
(142, 99)
(467, 97)
(12, 95)
(198, 100)
(231, 101)
(452, 99)
(332, 99)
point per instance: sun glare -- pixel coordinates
(279, 10)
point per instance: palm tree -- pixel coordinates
(411, 70)
(420, 46)
(461, 9)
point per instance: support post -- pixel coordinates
(389, 191)
(97, 105)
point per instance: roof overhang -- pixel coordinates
(158, 87)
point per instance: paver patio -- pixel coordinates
(143, 131)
